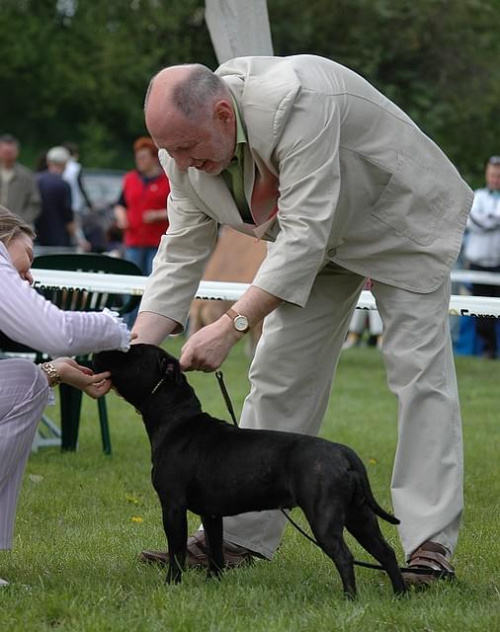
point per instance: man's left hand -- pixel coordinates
(207, 349)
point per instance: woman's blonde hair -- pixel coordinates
(12, 226)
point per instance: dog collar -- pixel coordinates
(155, 388)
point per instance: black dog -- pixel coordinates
(214, 469)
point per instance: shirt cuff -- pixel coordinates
(124, 330)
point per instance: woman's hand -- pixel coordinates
(83, 378)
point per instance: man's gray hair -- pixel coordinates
(193, 96)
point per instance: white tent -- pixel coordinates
(238, 28)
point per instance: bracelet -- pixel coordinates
(52, 372)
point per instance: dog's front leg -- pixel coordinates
(213, 534)
(175, 525)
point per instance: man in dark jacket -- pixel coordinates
(55, 226)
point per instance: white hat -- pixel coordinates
(59, 155)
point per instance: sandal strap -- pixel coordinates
(430, 559)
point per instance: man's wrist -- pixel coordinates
(240, 322)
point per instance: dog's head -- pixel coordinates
(143, 371)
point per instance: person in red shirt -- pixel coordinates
(141, 211)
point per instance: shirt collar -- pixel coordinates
(241, 139)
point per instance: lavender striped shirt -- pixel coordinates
(28, 318)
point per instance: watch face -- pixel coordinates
(241, 323)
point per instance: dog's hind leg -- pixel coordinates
(175, 525)
(328, 525)
(213, 534)
(363, 525)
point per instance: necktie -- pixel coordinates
(233, 176)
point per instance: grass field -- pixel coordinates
(83, 517)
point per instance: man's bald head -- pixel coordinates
(189, 90)
(189, 112)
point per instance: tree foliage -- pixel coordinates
(82, 76)
(78, 69)
(437, 59)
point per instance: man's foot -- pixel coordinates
(431, 557)
(3, 582)
(197, 554)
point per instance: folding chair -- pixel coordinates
(75, 299)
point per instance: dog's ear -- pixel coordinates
(163, 363)
(170, 368)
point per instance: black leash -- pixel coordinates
(418, 571)
(220, 378)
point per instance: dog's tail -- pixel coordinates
(365, 490)
(380, 511)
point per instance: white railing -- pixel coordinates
(218, 290)
(474, 276)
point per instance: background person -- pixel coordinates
(141, 211)
(73, 175)
(25, 388)
(361, 320)
(80, 201)
(55, 225)
(307, 154)
(18, 189)
(482, 248)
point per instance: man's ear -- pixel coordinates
(223, 112)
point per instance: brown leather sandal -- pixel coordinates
(430, 557)
(197, 554)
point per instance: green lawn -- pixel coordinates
(83, 517)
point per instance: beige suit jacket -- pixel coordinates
(360, 185)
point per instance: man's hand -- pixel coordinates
(207, 349)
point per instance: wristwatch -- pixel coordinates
(240, 322)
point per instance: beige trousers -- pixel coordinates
(291, 378)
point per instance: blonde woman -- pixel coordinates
(26, 388)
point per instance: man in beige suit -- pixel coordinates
(306, 154)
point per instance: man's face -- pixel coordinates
(203, 147)
(8, 154)
(493, 177)
(207, 145)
